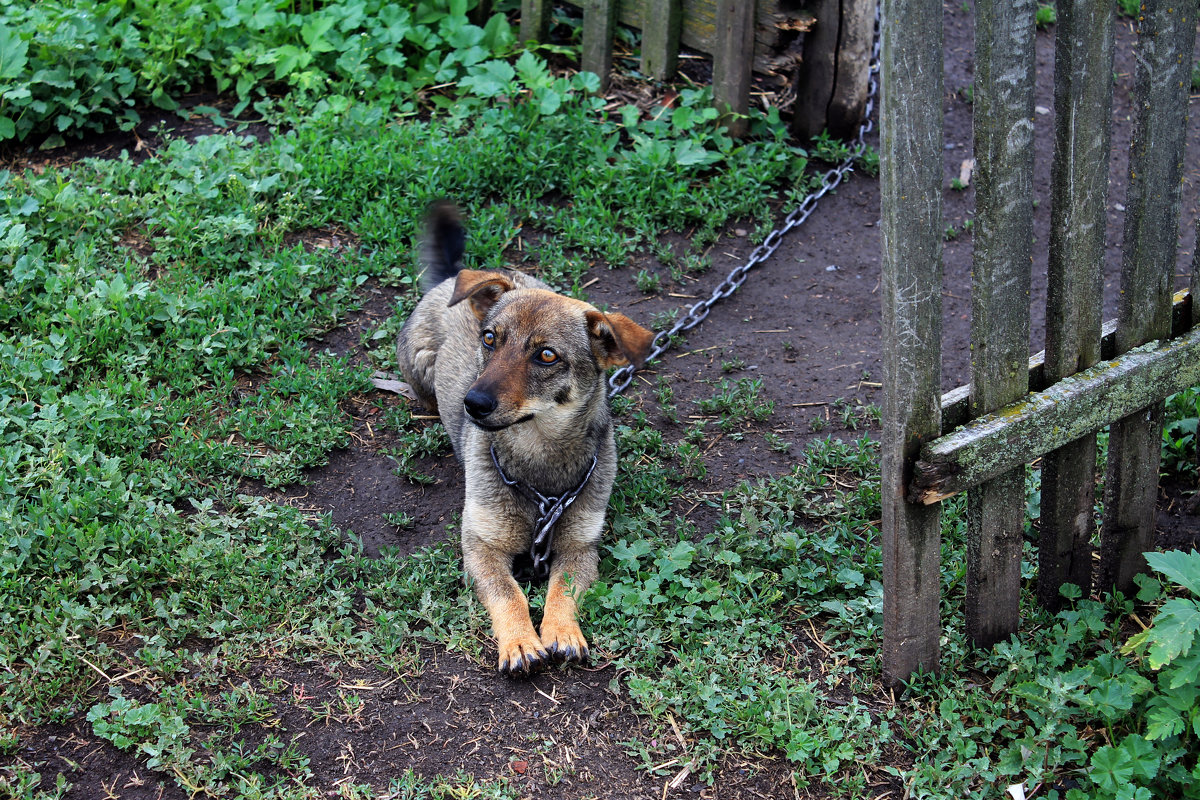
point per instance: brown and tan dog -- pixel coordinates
(517, 374)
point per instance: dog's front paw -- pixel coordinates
(564, 641)
(521, 656)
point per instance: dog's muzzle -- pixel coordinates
(479, 404)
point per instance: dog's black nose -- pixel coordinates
(479, 404)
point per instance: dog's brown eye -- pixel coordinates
(489, 339)
(547, 356)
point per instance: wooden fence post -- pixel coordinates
(1079, 193)
(1000, 278)
(733, 61)
(535, 20)
(599, 22)
(1166, 33)
(831, 87)
(660, 38)
(481, 13)
(911, 187)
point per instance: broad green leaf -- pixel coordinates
(1183, 568)
(1185, 670)
(549, 101)
(1163, 723)
(497, 34)
(689, 152)
(8, 128)
(533, 71)
(1174, 631)
(1142, 755)
(313, 33)
(587, 81)
(489, 79)
(13, 54)
(1111, 768)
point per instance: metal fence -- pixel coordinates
(1091, 375)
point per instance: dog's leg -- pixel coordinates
(491, 572)
(572, 574)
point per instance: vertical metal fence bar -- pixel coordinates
(910, 157)
(660, 38)
(1078, 196)
(1003, 122)
(1166, 33)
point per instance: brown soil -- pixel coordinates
(807, 323)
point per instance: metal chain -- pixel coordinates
(697, 313)
(541, 548)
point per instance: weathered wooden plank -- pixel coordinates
(956, 402)
(1000, 280)
(818, 71)
(535, 20)
(856, 44)
(1078, 199)
(599, 24)
(481, 13)
(1044, 421)
(660, 38)
(1194, 290)
(698, 25)
(831, 86)
(910, 157)
(731, 67)
(1166, 33)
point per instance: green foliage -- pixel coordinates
(647, 282)
(736, 402)
(93, 62)
(152, 728)
(157, 362)
(1179, 432)
(1129, 8)
(1046, 15)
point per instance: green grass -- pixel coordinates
(154, 356)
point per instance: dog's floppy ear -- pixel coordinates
(618, 340)
(482, 288)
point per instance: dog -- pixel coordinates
(517, 374)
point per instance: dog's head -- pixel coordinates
(542, 354)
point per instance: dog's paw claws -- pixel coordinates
(523, 660)
(568, 653)
(568, 646)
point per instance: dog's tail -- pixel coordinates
(442, 244)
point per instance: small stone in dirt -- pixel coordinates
(740, 232)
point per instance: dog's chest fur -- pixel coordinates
(440, 353)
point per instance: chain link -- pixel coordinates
(697, 313)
